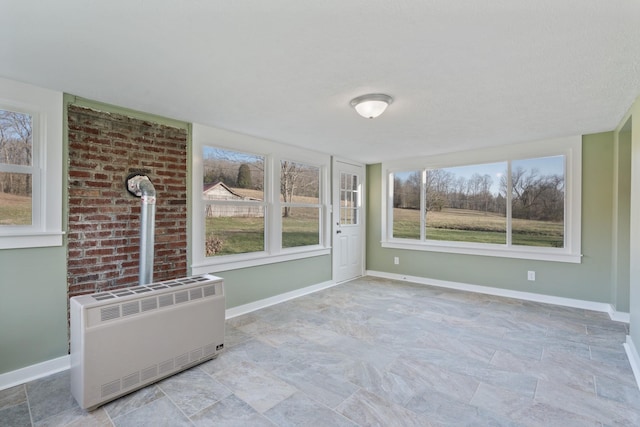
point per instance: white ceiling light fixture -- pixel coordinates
(372, 105)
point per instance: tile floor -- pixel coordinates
(376, 352)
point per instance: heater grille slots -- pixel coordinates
(126, 339)
(130, 308)
(109, 313)
(149, 304)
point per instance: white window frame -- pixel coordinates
(273, 153)
(46, 109)
(570, 147)
(281, 205)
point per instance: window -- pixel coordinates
(261, 202)
(16, 168)
(30, 166)
(349, 199)
(526, 205)
(300, 200)
(234, 203)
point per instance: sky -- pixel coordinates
(545, 165)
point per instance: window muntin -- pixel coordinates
(16, 168)
(281, 239)
(233, 198)
(469, 203)
(300, 204)
(349, 199)
(43, 172)
(566, 151)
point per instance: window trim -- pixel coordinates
(570, 147)
(279, 204)
(45, 107)
(273, 153)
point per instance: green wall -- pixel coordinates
(622, 221)
(33, 282)
(255, 283)
(33, 306)
(590, 280)
(634, 275)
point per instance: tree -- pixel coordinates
(289, 178)
(15, 149)
(244, 176)
(538, 197)
(406, 191)
(437, 187)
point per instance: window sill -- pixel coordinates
(559, 255)
(31, 240)
(235, 262)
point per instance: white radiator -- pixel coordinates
(126, 339)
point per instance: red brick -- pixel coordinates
(103, 217)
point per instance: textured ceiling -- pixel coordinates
(464, 74)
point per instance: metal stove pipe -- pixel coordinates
(141, 186)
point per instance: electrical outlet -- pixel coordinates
(531, 275)
(396, 260)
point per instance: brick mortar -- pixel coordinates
(104, 219)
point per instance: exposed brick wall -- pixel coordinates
(104, 219)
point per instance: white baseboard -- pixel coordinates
(634, 359)
(40, 370)
(619, 316)
(33, 372)
(267, 302)
(527, 296)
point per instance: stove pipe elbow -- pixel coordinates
(141, 186)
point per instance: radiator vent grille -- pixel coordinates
(101, 296)
(166, 300)
(130, 380)
(148, 373)
(110, 388)
(166, 366)
(149, 304)
(182, 296)
(129, 308)
(166, 297)
(109, 313)
(159, 370)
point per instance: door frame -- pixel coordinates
(335, 209)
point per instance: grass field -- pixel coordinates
(238, 235)
(479, 227)
(15, 210)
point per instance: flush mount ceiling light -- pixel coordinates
(372, 105)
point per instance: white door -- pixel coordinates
(348, 228)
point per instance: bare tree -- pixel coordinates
(535, 196)
(297, 179)
(16, 145)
